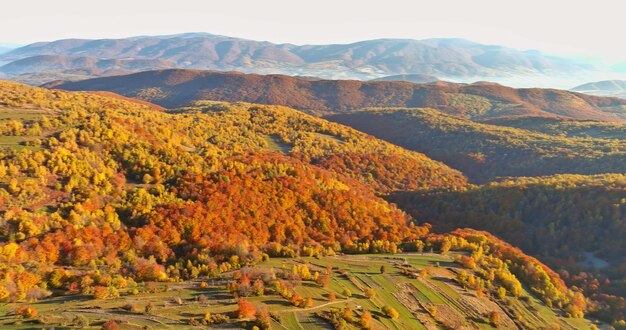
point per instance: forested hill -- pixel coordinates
(86, 161)
(565, 127)
(101, 196)
(484, 152)
(173, 88)
(575, 223)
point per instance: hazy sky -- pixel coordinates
(555, 26)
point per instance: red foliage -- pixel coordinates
(246, 309)
(273, 198)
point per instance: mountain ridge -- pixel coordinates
(614, 88)
(366, 59)
(177, 87)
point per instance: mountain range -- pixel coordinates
(455, 59)
(478, 101)
(616, 88)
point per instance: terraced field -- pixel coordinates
(431, 301)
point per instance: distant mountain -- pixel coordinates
(615, 88)
(177, 87)
(444, 58)
(83, 65)
(414, 78)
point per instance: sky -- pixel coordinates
(558, 27)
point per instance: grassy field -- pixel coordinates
(23, 115)
(175, 304)
(18, 142)
(275, 144)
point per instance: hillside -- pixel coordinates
(614, 88)
(173, 88)
(104, 197)
(564, 127)
(360, 60)
(573, 222)
(93, 153)
(311, 292)
(484, 152)
(414, 78)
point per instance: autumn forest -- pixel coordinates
(113, 199)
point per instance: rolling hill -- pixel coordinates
(445, 58)
(484, 152)
(614, 88)
(176, 87)
(116, 212)
(564, 127)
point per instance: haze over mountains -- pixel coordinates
(5, 49)
(616, 88)
(415, 78)
(451, 59)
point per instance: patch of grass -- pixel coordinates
(328, 137)
(274, 143)
(21, 114)
(290, 321)
(18, 142)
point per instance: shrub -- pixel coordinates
(26, 312)
(130, 308)
(149, 310)
(346, 293)
(111, 325)
(102, 292)
(366, 320)
(246, 309)
(390, 312)
(494, 317)
(263, 320)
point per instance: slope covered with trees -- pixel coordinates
(101, 193)
(573, 222)
(565, 127)
(176, 87)
(86, 180)
(483, 151)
